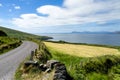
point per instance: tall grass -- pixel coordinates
(70, 61)
(91, 68)
(82, 50)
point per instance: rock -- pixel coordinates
(42, 67)
(50, 63)
(59, 76)
(61, 72)
(34, 63)
(48, 70)
(32, 54)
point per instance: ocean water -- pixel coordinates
(104, 39)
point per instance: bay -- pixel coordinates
(103, 39)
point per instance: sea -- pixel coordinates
(102, 39)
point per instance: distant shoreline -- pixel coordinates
(104, 39)
(100, 45)
(83, 33)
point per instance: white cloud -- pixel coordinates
(17, 7)
(72, 12)
(1, 5)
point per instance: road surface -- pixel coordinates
(10, 61)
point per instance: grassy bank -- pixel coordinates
(96, 63)
(7, 43)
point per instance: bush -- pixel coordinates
(2, 33)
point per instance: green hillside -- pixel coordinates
(2, 33)
(22, 35)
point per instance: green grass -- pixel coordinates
(7, 43)
(22, 35)
(82, 50)
(94, 68)
(97, 76)
(70, 61)
(96, 45)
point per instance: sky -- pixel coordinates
(60, 16)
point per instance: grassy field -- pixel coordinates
(85, 62)
(82, 50)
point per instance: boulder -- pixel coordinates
(42, 67)
(50, 63)
(34, 63)
(61, 72)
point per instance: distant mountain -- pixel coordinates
(118, 32)
(22, 35)
(87, 32)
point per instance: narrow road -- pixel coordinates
(10, 61)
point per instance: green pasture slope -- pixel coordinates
(7, 43)
(22, 35)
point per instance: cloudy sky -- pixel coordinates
(56, 16)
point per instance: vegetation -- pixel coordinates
(99, 45)
(82, 50)
(7, 43)
(10, 38)
(32, 72)
(2, 33)
(100, 67)
(22, 35)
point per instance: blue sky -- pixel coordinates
(56, 16)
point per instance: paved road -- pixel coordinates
(10, 61)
